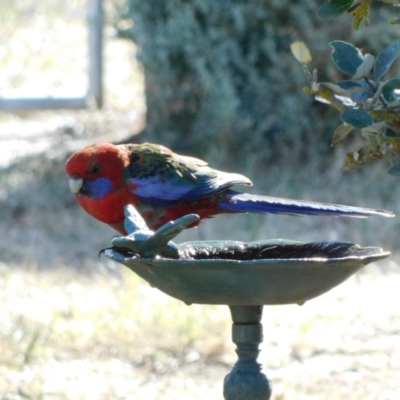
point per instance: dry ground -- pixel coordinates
(66, 335)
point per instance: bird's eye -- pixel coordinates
(95, 168)
(134, 157)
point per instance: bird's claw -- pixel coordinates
(147, 243)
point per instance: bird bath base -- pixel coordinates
(244, 276)
(246, 380)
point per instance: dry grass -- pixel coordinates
(66, 335)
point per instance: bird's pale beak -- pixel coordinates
(75, 184)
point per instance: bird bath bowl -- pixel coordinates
(244, 276)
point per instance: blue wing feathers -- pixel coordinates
(164, 191)
(238, 202)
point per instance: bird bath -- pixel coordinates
(244, 276)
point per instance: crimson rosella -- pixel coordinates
(164, 186)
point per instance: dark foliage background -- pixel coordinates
(220, 78)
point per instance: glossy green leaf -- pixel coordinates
(346, 57)
(389, 87)
(367, 84)
(334, 8)
(361, 95)
(348, 85)
(358, 118)
(385, 59)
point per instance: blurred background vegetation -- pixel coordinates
(220, 79)
(213, 79)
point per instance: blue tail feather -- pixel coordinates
(243, 202)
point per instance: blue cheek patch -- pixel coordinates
(99, 188)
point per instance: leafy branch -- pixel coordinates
(359, 9)
(365, 101)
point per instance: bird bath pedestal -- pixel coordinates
(244, 276)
